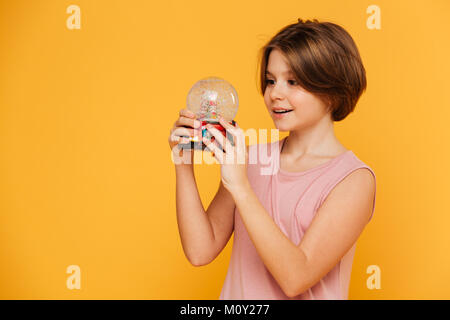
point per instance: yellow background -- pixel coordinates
(86, 174)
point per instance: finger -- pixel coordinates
(225, 123)
(188, 122)
(216, 151)
(187, 113)
(177, 139)
(182, 131)
(238, 140)
(228, 126)
(184, 140)
(224, 142)
(241, 149)
(180, 139)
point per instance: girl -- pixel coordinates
(295, 230)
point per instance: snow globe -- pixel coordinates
(208, 98)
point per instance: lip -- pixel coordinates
(279, 108)
(280, 115)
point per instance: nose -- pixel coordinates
(277, 91)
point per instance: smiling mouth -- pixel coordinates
(281, 111)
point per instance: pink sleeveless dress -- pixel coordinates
(291, 199)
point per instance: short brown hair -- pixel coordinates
(325, 61)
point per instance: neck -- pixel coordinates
(318, 140)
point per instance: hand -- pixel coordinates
(185, 127)
(233, 158)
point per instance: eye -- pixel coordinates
(268, 82)
(294, 82)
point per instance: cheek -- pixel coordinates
(307, 107)
(306, 113)
(300, 103)
(268, 103)
(267, 98)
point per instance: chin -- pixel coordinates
(284, 127)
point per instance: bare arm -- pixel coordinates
(333, 230)
(203, 234)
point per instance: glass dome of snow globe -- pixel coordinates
(210, 98)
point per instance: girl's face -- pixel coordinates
(283, 92)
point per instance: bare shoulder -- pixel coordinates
(360, 181)
(361, 177)
(355, 192)
(339, 222)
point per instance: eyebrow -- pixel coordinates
(286, 72)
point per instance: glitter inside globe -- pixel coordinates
(211, 97)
